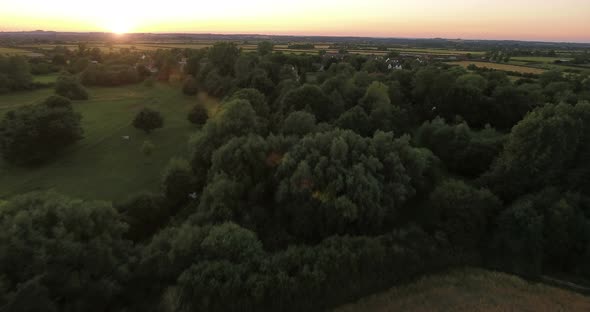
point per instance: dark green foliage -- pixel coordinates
(299, 123)
(355, 119)
(68, 86)
(431, 89)
(233, 265)
(463, 212)
(549, 77)
(193, 65)
(462, 150)
(148, 120)
(61, 254)
(14, 74)
(382, 114)
(265, 47)
(245, 65)
(236, 118)
(510, 105)
(518, 239)
(548, 231)
(240, 180)
(339, 182)
(42, 68)
(35, 134)
(56, 101)
(190, 86)
(262, 82)
(217, 85)
(177, 181)
(223, 55)
(144, 213)
(198, 115)
(310, 98)
(232, 243)
(550, 146)
(466, 99)
(256, 99)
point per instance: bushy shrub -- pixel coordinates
(148, 120)
(198, 115)
(35, 134)
(69, 87)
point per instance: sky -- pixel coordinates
(544, 20)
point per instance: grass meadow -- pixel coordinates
(103, 165)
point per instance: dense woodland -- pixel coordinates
(307, 190)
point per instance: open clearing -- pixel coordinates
(472, 290)
(504, 67)
(103, 165)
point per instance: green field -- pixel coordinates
(437, 51)
(13, 51)
(472, 290)
(103, 165)
(538, 59)
(497, 66)
(50, 78)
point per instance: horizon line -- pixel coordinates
(292, 35)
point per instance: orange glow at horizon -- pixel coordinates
(564, 20)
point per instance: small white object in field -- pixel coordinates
(193, 195)
(126, 137)
(434, 108)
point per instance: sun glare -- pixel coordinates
(119, 26)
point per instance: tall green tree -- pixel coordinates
(549, 147)
(223, 56)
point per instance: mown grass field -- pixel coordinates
(504, 67)
(104, 165)
(472, 290)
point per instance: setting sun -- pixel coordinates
(119, 26)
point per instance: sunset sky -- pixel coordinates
(559, 20)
